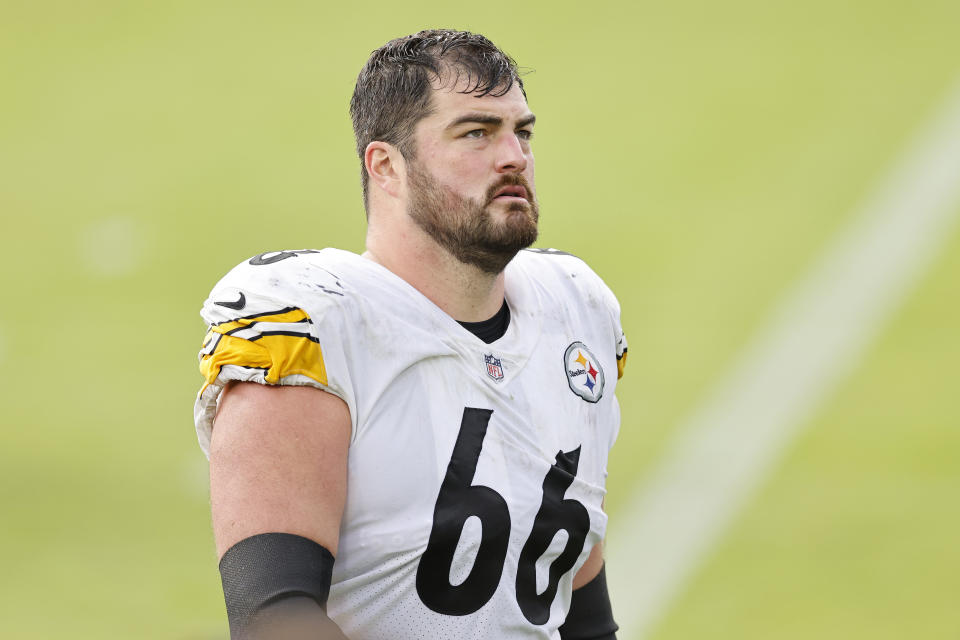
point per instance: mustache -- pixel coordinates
(510, 180)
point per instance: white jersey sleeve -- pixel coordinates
(614, 308)
(273, 319)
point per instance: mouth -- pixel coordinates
(512, 191)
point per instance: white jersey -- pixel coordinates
(476, 471)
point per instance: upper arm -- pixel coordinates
(594, 563)
(591, 568)
(278, 463)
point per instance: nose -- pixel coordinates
(511, 154)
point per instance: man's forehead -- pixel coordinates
(448, 103)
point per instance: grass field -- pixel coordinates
(698, 155)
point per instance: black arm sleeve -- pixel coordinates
(276, 586)
(590, 616)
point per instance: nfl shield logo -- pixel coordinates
(494, 368)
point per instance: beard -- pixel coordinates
(466, 227)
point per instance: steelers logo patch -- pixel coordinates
(584, 373)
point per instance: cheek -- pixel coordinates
(464, 175)
(451, 166)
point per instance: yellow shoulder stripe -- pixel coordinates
(621, 364)
(287, 315)
(279, 354)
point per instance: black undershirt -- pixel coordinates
(492, 329)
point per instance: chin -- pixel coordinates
(513, 209)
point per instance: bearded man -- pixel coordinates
(412, 442)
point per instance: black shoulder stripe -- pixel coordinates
(252, 325)
(257, 315)
(285, 333)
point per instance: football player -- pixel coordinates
(412, 442)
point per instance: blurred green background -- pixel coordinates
(697, 154)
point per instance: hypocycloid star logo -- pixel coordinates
(584, 373)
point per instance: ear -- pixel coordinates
(385, 166)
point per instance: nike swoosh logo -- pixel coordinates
(236, 306)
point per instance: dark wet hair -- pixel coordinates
(393, 89)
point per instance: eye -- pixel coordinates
(475, 133)
(525, 134)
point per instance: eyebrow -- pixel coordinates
(485, 118)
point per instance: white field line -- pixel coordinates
(812, 341)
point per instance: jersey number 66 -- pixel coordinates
(460, 499)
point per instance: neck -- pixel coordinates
(462, 291)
